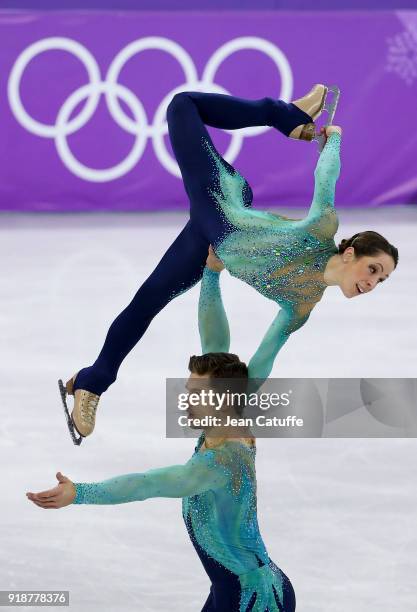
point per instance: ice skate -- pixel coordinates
(82, 418)
(314, 103)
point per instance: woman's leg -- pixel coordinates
(179, 269)
(188, 114)
(183, 263)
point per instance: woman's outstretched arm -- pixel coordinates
(326, 174)
(212, 320)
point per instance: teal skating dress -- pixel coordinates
(283, 259)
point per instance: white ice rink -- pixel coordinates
(337, 515)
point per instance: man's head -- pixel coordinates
(223, 374)
(218, 365)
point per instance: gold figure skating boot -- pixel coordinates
(83, 415)
(314, 103)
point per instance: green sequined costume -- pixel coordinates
(283, 259)
(218, 487)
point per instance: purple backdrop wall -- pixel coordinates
(65, 148)
(257, 5)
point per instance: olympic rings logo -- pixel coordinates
(113, 91)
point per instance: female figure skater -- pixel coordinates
(218, 487)
(288, 261)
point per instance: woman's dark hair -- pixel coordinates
(369, 244)
(218, 365)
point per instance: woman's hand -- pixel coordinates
(213, 262)
(330, 129)
(58, 497)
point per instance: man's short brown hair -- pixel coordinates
(218, 365)
(227, 373)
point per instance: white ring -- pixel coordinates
(107, 174)
(137, 46)
(47, 44)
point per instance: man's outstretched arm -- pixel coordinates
(201, 473)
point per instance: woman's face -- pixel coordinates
(363, 274)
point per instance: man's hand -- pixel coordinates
(213, 262)
(58, 497)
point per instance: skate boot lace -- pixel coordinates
(89, 407)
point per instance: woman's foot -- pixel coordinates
(312, 104)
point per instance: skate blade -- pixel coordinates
(321, 142)
(330, 107)
(76, 439)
